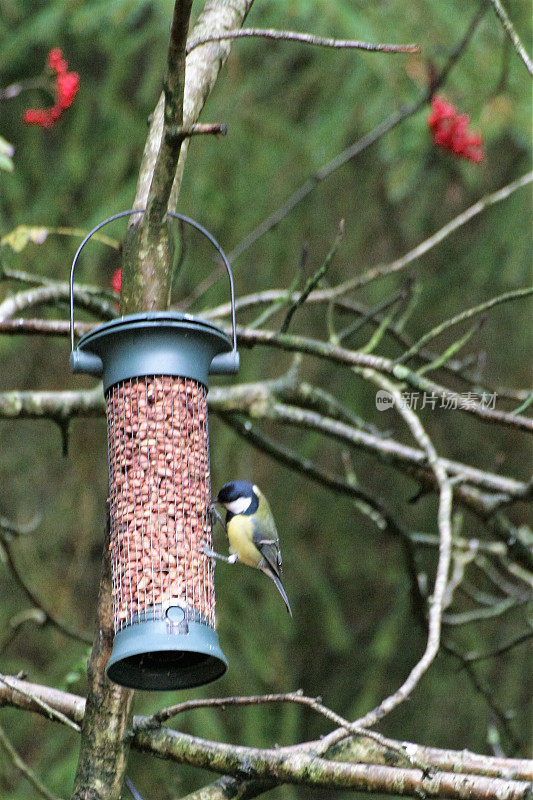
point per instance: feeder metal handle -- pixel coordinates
(174, 215)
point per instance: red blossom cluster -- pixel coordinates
(66, 87)
(116, 280)
(449, 129)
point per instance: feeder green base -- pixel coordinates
(147, 656)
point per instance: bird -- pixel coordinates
(253, 538)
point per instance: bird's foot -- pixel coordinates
(215, 515)
(218, 556)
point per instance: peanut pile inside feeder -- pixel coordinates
(159, 499)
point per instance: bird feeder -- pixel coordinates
(155, 369)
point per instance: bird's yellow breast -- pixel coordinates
(240, 532)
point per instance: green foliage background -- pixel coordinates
(289, 109)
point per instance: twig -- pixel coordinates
(313, 281)
(19, 764)
(13, 530)
(453, 349)
(506, 587)
(370, 315)
(498, 651)
(512, 34)
(445, 545)
(181, 132)
(40, 234)
(431, 540)
(155, 720)
(478, 614)
(41, 280)
(468, 314)
(131, 786)
(499, 712)
(67, 630)
(35, 615)
(304, 38)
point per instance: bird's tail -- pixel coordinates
(282, 591)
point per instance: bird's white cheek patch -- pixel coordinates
(239, 505)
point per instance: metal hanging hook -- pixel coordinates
(174, 215)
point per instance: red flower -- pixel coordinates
(38, 116)
(68, 84)
(65, 88)
(116, 280)
(56, 62)
(449, 129)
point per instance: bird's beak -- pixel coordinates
(215, 501)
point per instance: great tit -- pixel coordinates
(253, 538)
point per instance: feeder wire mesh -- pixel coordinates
(159, 500)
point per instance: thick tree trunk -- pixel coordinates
(104, 745)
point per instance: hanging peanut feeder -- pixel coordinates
(155, 369)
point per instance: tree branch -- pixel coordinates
(305, 38)
(445, 545)
(176, 746)
(52, 294)
(19, 764)
(512, 34)
(464, 315)
(66, 630)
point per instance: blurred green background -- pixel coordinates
(289, 109)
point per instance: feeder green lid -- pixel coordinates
(155, 343)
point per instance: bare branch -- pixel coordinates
(477, 614)
(313, 281)
(445, 545)
(436, 238)
(44, 327)
(510, 774)
(498, 651)
(464, 315)
(305, 38)
(19, 764)
(512, 34)
(57, 292)
(65, 629)
(36, 700)
(200, 129)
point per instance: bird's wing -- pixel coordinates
(267, 542)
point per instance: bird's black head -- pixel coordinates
(238, 497)
(234, 490)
